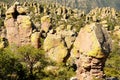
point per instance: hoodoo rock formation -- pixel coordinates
(92, 46)
(63, 34)
(19, 27)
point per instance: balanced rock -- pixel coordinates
(91, 48)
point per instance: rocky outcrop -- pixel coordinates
(91, 48)
(117, 32)
(55, 48)
(58, 44)
(19, 27)
(60, 36)
(100, 14)
(3, 43)
(35, 39)
(45, 23)
(87, 5)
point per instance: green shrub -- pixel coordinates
(112, 67)
(10, 68)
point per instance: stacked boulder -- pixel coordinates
(19, 27)
(91, 48)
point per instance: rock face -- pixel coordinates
(2, 43)
(91, 48)
(19, 27)
(45, 23)
(87, 5)
(100, 14)
(117, 32)
(59, 28)
(55, 48)
(58, 44)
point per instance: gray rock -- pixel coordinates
(112, 78)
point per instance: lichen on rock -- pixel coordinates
(55, 48)
(92, 43)
(19, 27)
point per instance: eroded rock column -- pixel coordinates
(19, 28)
(92, 46)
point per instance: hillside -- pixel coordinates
(48, 41)
(85, 5)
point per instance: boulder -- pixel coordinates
(92, 41)
(68, 35)
(9, 12)
(64, 10)
(59, 11)
(35, 39)
(116, 33)
(2, 43)
(73, 78)
(112, 78)
(20, 10)
(91, 48)
(69, 27)
(24, 21)
(45, 23)
(55, 48)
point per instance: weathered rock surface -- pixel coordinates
(55, 48)
(2, 43)
(35, 39)
(19, 27)
(45, 23)
(100, 14)
(117, 32)
(91, 48)
(59, 44)
(59, 30)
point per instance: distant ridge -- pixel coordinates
(85, 5)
